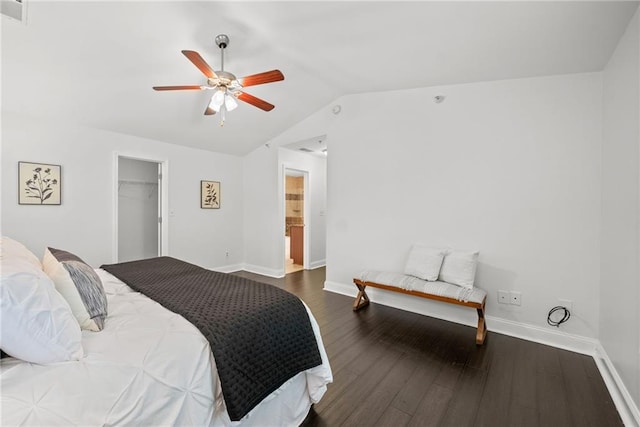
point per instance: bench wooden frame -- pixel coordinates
(362, 300)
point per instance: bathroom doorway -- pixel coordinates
(294, 232)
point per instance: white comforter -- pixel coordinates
(148, 366)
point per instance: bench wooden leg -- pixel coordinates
(362, 299)
(482, 327)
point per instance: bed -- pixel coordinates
(147, 366)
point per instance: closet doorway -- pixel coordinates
(139, 209)
(295, 232)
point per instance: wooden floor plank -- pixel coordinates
(350, 347)
(432, 407)
(408, 399)
(371, 409)
(338, 411)
(586, 408)
(393, 417)
(463, 409)
(340, 387)
(524, 382)
(598, 386)
(496, 396)
(524, 415)
(552, 400)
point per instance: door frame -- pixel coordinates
(306, 217)
(163, 194)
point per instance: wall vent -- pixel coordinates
(14, 9)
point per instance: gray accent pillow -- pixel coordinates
(79, 285)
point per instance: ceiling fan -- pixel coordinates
(227, 87)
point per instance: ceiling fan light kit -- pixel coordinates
(221, 99)
(227, 87)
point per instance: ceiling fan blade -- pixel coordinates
(189, 87)
(256, 102)
(261, 78)
(200, 63)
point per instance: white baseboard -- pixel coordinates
(317, 264)
(271, 272)
(627, 408)
(340, 288)
(589, 346)
(551, 337)
(228, 268)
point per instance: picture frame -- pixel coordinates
(39, 184)
(209, 194)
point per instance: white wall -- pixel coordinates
(511, 168)
(263, 243)
(84, 222)
(264, 208)
(316, 209)
(620, 252)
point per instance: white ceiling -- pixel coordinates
(94, 62)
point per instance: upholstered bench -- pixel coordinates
(435, 290)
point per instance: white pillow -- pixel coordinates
(37, 324)
(459, 268)
(424, 262)
(79, 284)
(11, 249)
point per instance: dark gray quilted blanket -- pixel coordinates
(260, 335)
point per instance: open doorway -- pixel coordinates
(294, 232)
(138, 209)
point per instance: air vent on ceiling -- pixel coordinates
(15, 9)
(306, 150)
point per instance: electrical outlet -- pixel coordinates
(516, 298)
(226, 254)
(503, 297)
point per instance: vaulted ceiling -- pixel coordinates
(93, 63)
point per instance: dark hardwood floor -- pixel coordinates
(395, 368)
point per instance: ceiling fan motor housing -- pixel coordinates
(225, 78)
(222, 40)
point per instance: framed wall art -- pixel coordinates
(39, 184)
(209, 194)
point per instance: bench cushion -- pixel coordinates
(412, 283)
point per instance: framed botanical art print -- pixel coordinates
(209, 194)
(39, 184)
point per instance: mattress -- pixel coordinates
(148, 366)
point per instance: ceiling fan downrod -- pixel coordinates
(222, 40)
